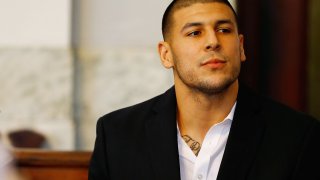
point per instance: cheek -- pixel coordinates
(184, 55)
(233, 50)
(187, 47)
(185, 51)
(183, 63)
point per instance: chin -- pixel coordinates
(212, 88)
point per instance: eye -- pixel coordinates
(224, 30)
(194, 33)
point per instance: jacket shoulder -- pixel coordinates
(284, 122)
(274, 114)
(131, 113)
(285, 113)
(133, 118)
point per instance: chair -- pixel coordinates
(52, 165)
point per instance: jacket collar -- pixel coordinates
(245, 136)
(161, 132)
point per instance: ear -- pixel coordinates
(242, 53)
(165, 54)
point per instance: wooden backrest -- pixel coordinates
(52, 165)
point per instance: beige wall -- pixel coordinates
(35, 23)
(36, 70)
(119, 24)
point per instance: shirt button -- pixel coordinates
(199, 176)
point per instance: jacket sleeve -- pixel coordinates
(98, 169)
(308, 166)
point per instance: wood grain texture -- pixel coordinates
(52, 165)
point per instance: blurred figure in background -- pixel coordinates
(7, 171)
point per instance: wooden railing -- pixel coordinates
(52, 165)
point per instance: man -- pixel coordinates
(207, 126)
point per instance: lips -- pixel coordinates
(214, 63)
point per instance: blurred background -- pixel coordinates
(65, 63)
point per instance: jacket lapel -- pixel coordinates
(161, 131)
(244, 138)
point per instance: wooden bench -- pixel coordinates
(52, 165)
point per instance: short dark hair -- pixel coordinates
(175, 5)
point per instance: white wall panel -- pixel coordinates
(35, 23)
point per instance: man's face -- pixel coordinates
(204, 48)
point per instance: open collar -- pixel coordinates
(245, 135)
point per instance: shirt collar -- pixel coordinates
(231, 113)
(227, 119)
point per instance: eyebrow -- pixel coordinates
(224, 21)
(193, 24)
(197, 24)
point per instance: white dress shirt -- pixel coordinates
(206, 165)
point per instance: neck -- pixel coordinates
(197, 112)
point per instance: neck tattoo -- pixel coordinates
(194, 145)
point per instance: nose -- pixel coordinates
(212, 42)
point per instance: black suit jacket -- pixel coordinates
(267, 141)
